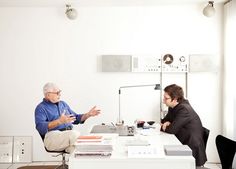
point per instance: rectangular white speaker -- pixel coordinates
(116, 63)
(202, 63)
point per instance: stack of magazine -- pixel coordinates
(92, 145)
(177, 150)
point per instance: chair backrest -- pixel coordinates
(226, 149)
(206, 133)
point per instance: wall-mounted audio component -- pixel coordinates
(202, 63)
(174, 63)
(116, 63)
(146, 63)
(6, 149)
(142, 63)
(22, 149)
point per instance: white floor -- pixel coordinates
(15, 166)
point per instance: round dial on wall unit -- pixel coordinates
(182, 59)
(168, 59)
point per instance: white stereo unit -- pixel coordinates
(22, 149)
(174, 63)
(6, 149)
(146, 63)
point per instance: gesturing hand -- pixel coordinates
(94, 112)
(64, 118)
(91, 113)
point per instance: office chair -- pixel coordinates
(206, 133)
(62, 153)
(226, 149)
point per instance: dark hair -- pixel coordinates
(175, 92)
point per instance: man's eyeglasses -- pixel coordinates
(57, 93)
(166, 98)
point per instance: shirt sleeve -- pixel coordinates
(78, 119)
(40, 121)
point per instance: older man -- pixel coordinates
(54, 120)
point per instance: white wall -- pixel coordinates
(229, 124)
(38, 45)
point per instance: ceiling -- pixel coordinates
(6, 3)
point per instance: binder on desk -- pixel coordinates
(91, 153)
(89, 138)
(177, 150)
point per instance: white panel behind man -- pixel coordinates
(140, 103)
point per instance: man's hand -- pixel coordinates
(164, 125)
(66, 118)
(91, 113)
(61, 120)
(94, 112)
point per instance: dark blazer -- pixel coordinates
(187, 127)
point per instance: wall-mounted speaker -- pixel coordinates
(116, 63)
(202, 63)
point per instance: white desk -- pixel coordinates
(119, 158)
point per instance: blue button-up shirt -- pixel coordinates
(47, 111)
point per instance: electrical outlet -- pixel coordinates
(6, 149)
(22, 149)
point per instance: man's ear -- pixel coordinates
(46, 95)
(175, 100)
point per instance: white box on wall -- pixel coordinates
(22, 150)
(203, 63)
(116, 63)
(6, 143)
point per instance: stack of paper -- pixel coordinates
(177, 150)
(89, 138)
(93, 145)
